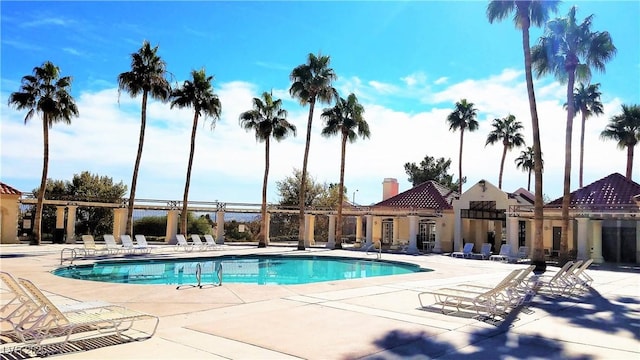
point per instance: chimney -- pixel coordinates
(389, 188)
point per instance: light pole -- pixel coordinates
(353, 202)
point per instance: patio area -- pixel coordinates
(371, 318)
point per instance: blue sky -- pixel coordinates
(408, 63)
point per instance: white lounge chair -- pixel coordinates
(465, 253)
(212, 242)
(112, 246)
(90, 248)
(198, 244)
(504, 254)
(485, 252)
(560, 282)
(54, 323)
(522, 255)
(128, 244)
(183, 244)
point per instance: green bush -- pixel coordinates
(151, 226)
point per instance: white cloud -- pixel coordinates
(229, 163)
(441, 80)
(417, 78)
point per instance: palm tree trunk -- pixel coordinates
(538, 215)
(134, 180)
(341, 191)
(262, 237)
(629, 161)
(460, 163)
(566, 197)
(37, 226)
(529, 181)
(301, 227)
(584, 118)
(185, 199)
(504, 155)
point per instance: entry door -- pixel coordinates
(387, 231)
(423, 235)
(557, 234)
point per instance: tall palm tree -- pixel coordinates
(463, 117)
(526, 162)
(311, 82)
(569, 50)
(625, 129)
(345, 118)
(146, 77)
(47, 94)
(268, 119)
(506, 130)
(196, 93)
(527, 13)
(587, 102)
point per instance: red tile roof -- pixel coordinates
(8, 190)
(428, 195)
(612, 192)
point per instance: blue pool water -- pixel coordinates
(257, 269)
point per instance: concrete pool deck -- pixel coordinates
(372, 318)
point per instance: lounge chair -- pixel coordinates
(465, 253)
(505, 252)
(54, 323)
(491, 301)
(581, 281)
(198, 244)
(522, 255)
(112, 246)
(183, 244)
(560, 282)
(211, 241)
(128, 244)
(90, 247)
(484, 254)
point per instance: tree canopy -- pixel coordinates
(431, 169)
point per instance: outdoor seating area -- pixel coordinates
(496, 305)
(31, 318)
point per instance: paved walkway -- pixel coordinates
(373, 318)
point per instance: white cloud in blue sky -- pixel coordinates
(407, 77)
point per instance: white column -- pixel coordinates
(512, 234)
(369, 231)
(583, 238)
(220, 227)
(437, 247)
(331, 244)
(172, 227)
(60, 217)
(358, 228)
(71, 224)
(413, 235)
(119, 222)
(396, 230)
(309, 229)
(267, 228)
(596, 241)
(457, 231)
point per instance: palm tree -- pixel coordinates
(508, 130)
(147, 77)
(526, 162)
(625, 129)
(345, 118)
(311, 82)
(197, 94)
(587, 102)
(569, 50)
(463, 117)
(527, 13)
(268, 119)
(47, 94)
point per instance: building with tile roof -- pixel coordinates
(9, 214)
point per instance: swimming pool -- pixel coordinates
(254, 269)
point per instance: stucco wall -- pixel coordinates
(9, 211)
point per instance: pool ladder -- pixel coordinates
(378, 254)
(218, 271)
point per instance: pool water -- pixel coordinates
(262, 269)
